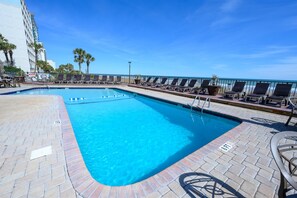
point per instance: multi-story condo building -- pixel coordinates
(17, 25)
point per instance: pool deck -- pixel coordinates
(32, 122)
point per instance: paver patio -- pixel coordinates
(32, 122)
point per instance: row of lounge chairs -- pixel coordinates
(259, 95)
(78, 79)
(176, 87)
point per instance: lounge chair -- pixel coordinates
(68, 78)
(173, 83)
(77, 78)
(146, 82)
(110, 80)
(103, 80)
(181, 84)
(95, 79)
(293, 103)
(160, 84)
(202, 89)
(154, 82)
(2, 82)
(280, 94)
(87, 79)
(189, 87)
(236, 90)
(118, 80)
(259, 93)
(60, 78)
(283, 149)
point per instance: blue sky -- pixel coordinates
(229, 38)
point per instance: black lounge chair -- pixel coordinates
(60, 78)
(258, 93)
(236, 90)
(118, 80)
(283, 148)
(95, 79)
(189, 87)
(146, 82)
(110, 80)
(154, 82)
(103, 80)
(202, 89)
(68, 78)
(173, 83)
(181, 84)
(87, 79)
(2, 82)
(293, 103)
(160, 84)
(280, 94)
(77, 78)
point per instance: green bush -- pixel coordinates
(14, 70)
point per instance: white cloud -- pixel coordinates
(221, 67)
(291, 22)
(284, 69)
(269, 51)
(230, 5)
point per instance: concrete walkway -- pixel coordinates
(28, 123)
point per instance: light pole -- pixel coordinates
(129, 70)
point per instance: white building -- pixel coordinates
(17, 25)
(42, 54)
(52, 63)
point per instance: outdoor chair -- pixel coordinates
(146, 82)
(173, 83)
(68, 78)
(236, 90)
(95, 79)
(60, 78)
(77, 79)
(160, 84)
(103, 80)
(181, 84)
(87, 79)
(202, 89)
(280, 94)
(6, 81)
(258, 93)
(118, 80)
(293, 104)
(2, 82)
(154, 82)
(189, 87)
(110, 80)
(283, 148)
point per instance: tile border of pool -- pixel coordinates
(86, 186)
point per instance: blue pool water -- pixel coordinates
(125, 138)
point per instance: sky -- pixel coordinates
(197, 38)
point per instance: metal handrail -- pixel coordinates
(206, 100)
(199, 99)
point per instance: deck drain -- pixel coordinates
(226, 146)
(41, 152)
(57, 123)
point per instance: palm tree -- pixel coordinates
(4, 46)
(37, 47)
(11, 47)
(79, 56)
(89, 59)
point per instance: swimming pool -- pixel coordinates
(125, 138)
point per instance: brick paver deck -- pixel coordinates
(32, 122)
